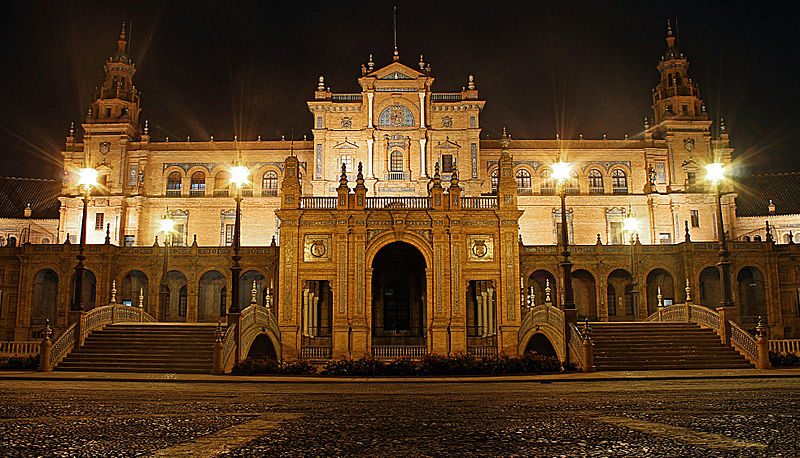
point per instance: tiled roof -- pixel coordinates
(17, 193)
(755, 192)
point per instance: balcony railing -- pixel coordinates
(247, 193)
(396, 176)
(197, 192)
(346, 98)
(220, 193)
(398, 351)
(524, 191)
(596, 191)
(315, 352)
(318, 202)
(446, 97)
(398, 202)
(479, 203)
(173, 192)
(547, 191)
(269, 192)
(620, 190)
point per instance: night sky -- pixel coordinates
(247, 67)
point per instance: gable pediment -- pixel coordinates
(448, 144)
(346, 144)
(396, 71)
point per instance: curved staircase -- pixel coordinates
(145, 347)
(622, 346)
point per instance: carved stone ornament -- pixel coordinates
(688, 143)
(347, 122)
(317, 248)
(105, 147)
(447, 121)
(480, 248)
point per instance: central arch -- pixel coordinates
(399, 286)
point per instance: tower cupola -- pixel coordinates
(117, 99)
(676, 96)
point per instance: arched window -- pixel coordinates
(523, 182)
(548, 184)
(619, 181)
(269, 183)
(595, 182)
(198, 184)
(572, 184)
(495, 181)
(396, 162)
(221, 183)
(174, 184)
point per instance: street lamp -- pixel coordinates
(239, 177)
(562, 173)
(630, 225)
(166, 227)
(87, 179)
(715, 173)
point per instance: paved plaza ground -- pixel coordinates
(550, 417)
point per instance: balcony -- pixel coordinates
(396, 176)
(446, 97)
(547, 191)
(173, 193)
(346, 98)
(524, 191)
(620, 190)
(220, 193)
(197, 192)
(596, 191)
(269, 192)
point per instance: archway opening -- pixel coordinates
(175, 307)
(134, 286)
(619, 295)
(398, 296)
(262, 348)
(45, 299)
(710, 293)
(540, 345)
(540, 280)
(585, 293)
(752, 297)
(210, 293)
(659, 282)
(481, 316)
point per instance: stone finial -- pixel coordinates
(669, 28)
(505, 140)
(141, 298)
(194, 239)
(532, 295)
(155, 242)
(28, 211)
(769, 232)
(321, 84)
(108, 234)
(47, 331)
(421, 63)
(761, 328)
(660, 297)
(273, 241)
(791, 238)
(253, 294)
(218, 334)
(72, 129)
(547, 299)
(147, 127)
(771, 207)
(471, 83)
(722, 125)
(363, 69)
(687, 236)
(598, 242)
(586, 331)
(370, 64)
(688, 290)
(702, 107)
(343, 176)
(113, 291)
(646, 123)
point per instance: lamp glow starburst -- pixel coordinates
(239, 175)
(167, 225)
(87, 177)
(561, 171)
(630, 224)
(715, 172)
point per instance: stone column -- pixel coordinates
(421, 110)
(370, 96)
(423, 167)
(370, 154)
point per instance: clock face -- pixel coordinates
(105, 147)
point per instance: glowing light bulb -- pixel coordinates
(239, 175)
(561, 171)
(87, 177)
(630, 224)
(715, 172)
(167, 225)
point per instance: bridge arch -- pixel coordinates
(553, 335)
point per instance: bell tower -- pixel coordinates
(676, 96)
(117, 99)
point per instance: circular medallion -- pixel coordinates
(480, 249)
(318, 250)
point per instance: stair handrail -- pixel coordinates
(228, 344)
(62, 345)
(576, 344)
(744, 342)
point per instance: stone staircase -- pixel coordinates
(150, 347)
(661, 345)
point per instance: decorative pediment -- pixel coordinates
(448, 144)
(690, 165)
(346, 144)
(396, 141)
(397, 76)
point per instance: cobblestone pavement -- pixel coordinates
(759, 417)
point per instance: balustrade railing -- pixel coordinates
(576, 344)
(318, 202)
(228, 344)
(479, 203)
(785, 346)
(398, 351)
(446, 97)
(11, 348)
(482, 350)
(346, 98)
(398, 202)
(308, 352)
(62, 345)
(744, 342)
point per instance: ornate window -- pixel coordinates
(619, 181)
(269, 183)
(548, 184)
(396, 161)
(396, 116)
(198, 184)
(595, 182)
(347, 160)
(447, 163)
(523, 182)
(174, 184)
(221, 183)
(495, 181)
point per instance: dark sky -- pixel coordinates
(247, 67)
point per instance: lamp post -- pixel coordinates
(238, 178)
(561, 173)
(166, 227)
(630, 225)
(715, 173)
(87, 180)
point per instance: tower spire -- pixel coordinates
(394, 22)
